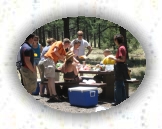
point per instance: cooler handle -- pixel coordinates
(92, 93)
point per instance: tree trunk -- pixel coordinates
(40, 35)
(49, 31)
(58, 38)
(66, 28)
(77, 23)
(44, 42)
(94, 41)
(99, 46)
(36, 32)
(49, 34)
(87, 34)
(94, 35)
(54, 32)
(123, 32)
(62, 35)
(84, 33)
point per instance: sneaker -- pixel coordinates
(66, 97)
(114, 104)
(54, 98)
(43, 95)
(63, 98)
(47, 95)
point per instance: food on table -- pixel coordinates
(58, 65)
(99, 67)
(96, 69)
(83, 57)
(85, 67)
(102, 67)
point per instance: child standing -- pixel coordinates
(37, 48)
(75, 48)
(106, 61)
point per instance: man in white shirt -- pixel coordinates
(84, 44)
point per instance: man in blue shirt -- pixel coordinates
(27, 70)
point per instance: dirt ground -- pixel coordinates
(66, 107)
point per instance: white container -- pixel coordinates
(109, 68)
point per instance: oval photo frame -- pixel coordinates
(132, 112)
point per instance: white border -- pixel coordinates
(142, 18)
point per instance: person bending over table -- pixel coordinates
(55, 53)
(41, 67)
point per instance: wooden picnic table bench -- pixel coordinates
(71, 84)
(86, 77)
(66, 85)
(108, 79)
(132, 81)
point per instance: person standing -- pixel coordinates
(120, 70)
(41, 67)
(75, 48)
(27, 69)
(106, 61)
(84, 44)
(37, 47)
(55, 53)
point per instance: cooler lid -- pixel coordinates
(82, 88)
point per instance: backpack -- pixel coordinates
(19, 62)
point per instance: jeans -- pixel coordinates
(119, 92)
(36, 61)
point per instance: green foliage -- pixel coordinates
(98, 58)
(132, 42)
(90, 27)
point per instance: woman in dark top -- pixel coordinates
(120, 70)
(69, 68)
(70, 72)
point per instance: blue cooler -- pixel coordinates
(83, 96)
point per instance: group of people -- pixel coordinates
(33, 54)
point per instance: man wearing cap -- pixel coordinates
(56, 52)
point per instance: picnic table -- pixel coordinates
(108, 78)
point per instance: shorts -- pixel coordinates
(41, 68)
(29, 79)
(49, 68)
(36, 61)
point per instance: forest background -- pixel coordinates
(100, 34)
